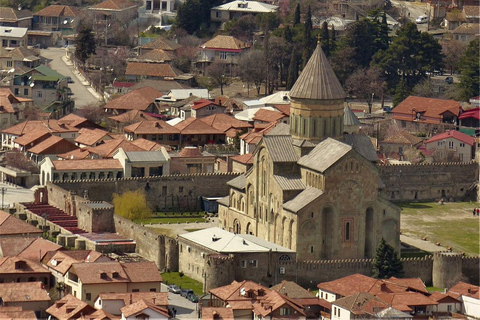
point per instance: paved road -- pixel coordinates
(14, 194)
(413, 8)
(82, 95)
(185, 308)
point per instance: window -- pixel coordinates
(348, 230)
(223, 55)
(285, 311)
(39, 94)
(450, 144)
(17, 91)
(338, 309)
(153, 290)
(449, 308)
(218, 14)
(254, 263)
(462, 144)
(243, 264)
(88, 296)
(460, 156)
(180, 189)
(311, 249)
(25, 92)
(136, 290)
(9, 64)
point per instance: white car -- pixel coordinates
(421, 19)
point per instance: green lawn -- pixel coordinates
(451, 224)
(183, 282)
(172, 218)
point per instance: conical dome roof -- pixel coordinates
(317, 80)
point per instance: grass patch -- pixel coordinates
(433, 289)
(419, 254)
(183, 282)
(175, 220)
(451, 224)
(192, 230)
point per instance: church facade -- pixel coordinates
(314, 186)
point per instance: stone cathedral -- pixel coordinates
(314, 186)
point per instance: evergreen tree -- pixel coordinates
(387, 263)
(292, 70)
(470, 71)
(307, 37)
(333, 41)
(325, 39)
(85, 44)
(296, 15)
(401, 93)
(287, 34)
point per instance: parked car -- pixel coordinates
(70, 80)
(449, 80)
(192, 297)
(175, 289)
(421, 19)
(186, 292)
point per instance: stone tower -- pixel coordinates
(317, 98)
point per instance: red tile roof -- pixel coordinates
(108, 148)
(162, 70)
(119, 84)
(265, 115)
(161, 43)
(361, 303)
(273, 301)
(244, 158)
(114, 5)
(403, 301)
(155, 55)
(90, 137)
(196, 126)
(138, 99)
(45, 147)
(224, 42)
(431, 110)
(59, 11)
(202, 103)
(231, 292)
(209, 313)
(151, 127)
(80, 153)
(190, 152)
(472, 113)
(133, 272)
(403, 137)
(7, 265)
(156, 298)
(453, 134)
(349, 285)
(23, 292)
(132, 116)
(139, 306)
(466, 289)
(70, 307)
(11, 225)
(224, 122)
(38, 248)
(52, 126)
(29, 138)
(72, 120)
(6, 105)
(87, 165)
(147, 145)
(284, 108)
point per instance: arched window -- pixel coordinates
(347, 231)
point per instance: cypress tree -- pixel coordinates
(292, 71)
(307, 37)
(401, 92)
(325, 39)
(387, 263)
(296, 15)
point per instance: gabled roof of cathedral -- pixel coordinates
(302, 199)
(324, 155)
(363, 145)
(280, 148)
(290, 181)
(317, 80)
(281, 129)
(238, 182)
(349, 118)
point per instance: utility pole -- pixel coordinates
(3, 190)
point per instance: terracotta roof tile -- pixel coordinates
(196, 126)
(403, 137)
(362, 303)
(113, 5)
(59, 11)
(431, 109)
(224, 42)
(38, 248)
(155, 55)
(284, 108)
(453, 134)
(151, 70)
(272, 301)
(90, 164)
(160, 85)
(409, 299)
(138, 99)
(10, 225)
(231, 292)
(292, 290)
(265, 115)
(13, 246)
(80, 153)
(471, 11)
(29, 138)
(139, 306)
(190, 152)
(62, 260)
(217, 313)
(156, 298)
(90, 273)
(202, 103)
(161, 43)
(72, 120)
(410, 283)
(7, 265)
(69, 307)
(6, 105)
(467, 28)
(466, 289)
(132, 116)
(17, 314)
(45, 146)
(224, 122)
(147, 145)
(244, 158)
(12, 15)
(23, 292)
(349, 285)
(108, 148)
(151, 127)
(51, 125)
(90, 137)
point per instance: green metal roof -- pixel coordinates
(468, 131)
(47, 74)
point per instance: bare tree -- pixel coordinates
(94, 113)
(252, 68)
(217, 73)
(452, 49)
(365, 84)
(18, 160)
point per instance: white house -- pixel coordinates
(469, 294)
(143, 163)
(453, 145)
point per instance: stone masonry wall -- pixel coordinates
(175, 192)
(428, 181)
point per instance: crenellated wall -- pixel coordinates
(181, 192)
(429, 181)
